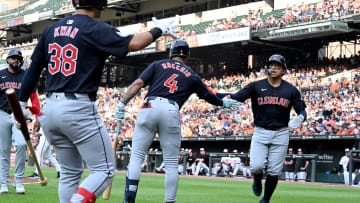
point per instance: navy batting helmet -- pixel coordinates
(179, 48)
(85, 4)
(278, 59)
(16, 52)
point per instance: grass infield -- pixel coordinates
(191, 190)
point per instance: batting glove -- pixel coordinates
(120, 111)
(296, 121)
(228, 103)
(167, 27)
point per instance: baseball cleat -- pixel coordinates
(257, 189)
(34, 176)
(20, 188)
(58, 175)
(4, 190)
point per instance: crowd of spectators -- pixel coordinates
(291, 15)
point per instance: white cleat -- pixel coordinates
(20, 188)
(4, 190)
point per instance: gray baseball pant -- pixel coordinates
(77, 132)
(268, 146)
(43, 151)
(7, 130)
(162, 118)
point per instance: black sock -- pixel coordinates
(130, 190)
(270, 185)
(258, 178)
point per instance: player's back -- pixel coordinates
(75, 50)
(170, 79)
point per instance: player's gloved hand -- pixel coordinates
(296, 121)
(167, 27)
(120, 111)
(229, 103)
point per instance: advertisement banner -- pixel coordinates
(46, 14)
(11, 23)
(222, 37)
(32, 17)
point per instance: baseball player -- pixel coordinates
(225, 164)
(11, 78)
(74, 50)
(290, 167)
(43, 151)
(301, 165)
(235, 164)
(171, 83)
(272, 100)
(344, 161)
(245, 162)
(190, 163)
(202, 163)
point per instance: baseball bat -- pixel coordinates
(19, 116)
(106, 194)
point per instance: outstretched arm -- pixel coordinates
(130, 93)
(133, 89)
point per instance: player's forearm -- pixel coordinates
(35, 104)
(133, 89)
(29, 81)
(222, 95)
(143, 39)
(213, 99)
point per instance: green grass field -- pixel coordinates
(192, 190)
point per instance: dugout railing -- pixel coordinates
(351, 159)
(312, 157)
(153, 160)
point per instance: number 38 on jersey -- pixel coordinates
(62, 59)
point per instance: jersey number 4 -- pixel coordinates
(62, 58)
(171, 83)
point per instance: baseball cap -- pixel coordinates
(299, 150)
(290, 149)
(226, 151)
(235, 151)
(202, 149)
(347, 150)
(189, 150)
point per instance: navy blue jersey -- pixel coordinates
(9, 80)
(271, 106)
(176, 81)
(74, 50)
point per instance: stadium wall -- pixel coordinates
(329, 151)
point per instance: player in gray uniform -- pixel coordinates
(43, 151)
(272, 100)
(74, 50)
(11, 78)
(171, 83)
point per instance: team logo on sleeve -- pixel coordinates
(121, 34)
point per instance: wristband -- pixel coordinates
(156, 33)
